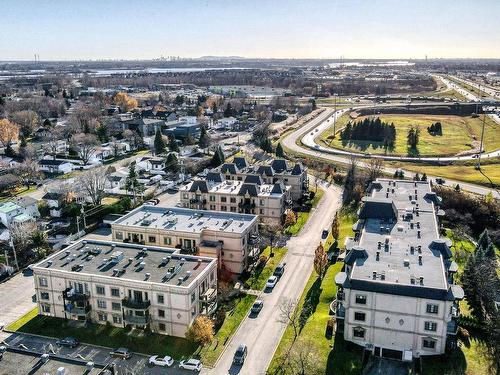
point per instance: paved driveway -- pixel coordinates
(262, 334)
(15, 298)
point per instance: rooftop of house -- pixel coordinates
(399, 244)
(275, 167)
(128, 262)
(252, 187)
(186, 220)
(7, 207)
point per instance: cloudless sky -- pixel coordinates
(113, 29)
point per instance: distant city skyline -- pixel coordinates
(384, 29)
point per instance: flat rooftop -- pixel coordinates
(408, 245)
(186, 220)
(128, 262)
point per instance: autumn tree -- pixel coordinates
(27, 120)
(290, 218)
(85, 146)
(201, 330)
(9, 132)
(125, 102)
(320, 261)
(335, 227)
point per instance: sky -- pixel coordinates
(147, 29)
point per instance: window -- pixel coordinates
(102, 317)
(99, 289)
(45, 308)
(167, 241)
(162, 326)
(223, 199)
(358, 332)
(119, 235)
(42, 281)
(429, 344)
(262, 202)
(115, 292)
(360, 316)
(232, 200)
(44, 295)
(152, 239)
(161, 313)
(193, 297)
(430, 326)
(116, 306)
(160, 299)
(261, 211)
(432, 308)
(117, 319)
(360, 299)
(185, 195)
(193, 311)
(232, 209)
(223, 208)
(211, 198)
(101, 304)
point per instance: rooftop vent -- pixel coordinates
(406, 262)
(421, 281)
(374, 275)
(49, 263)
(420, 260)
(377, 257)
(147, 276)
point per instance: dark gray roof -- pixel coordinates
(297, 169)
(441, 246)
(52, 162)
(240, 162)
(249, 189)
(253, 179)
(279, 165)
(214, 176)
(278, 188)
(379, 209)
(52, 196)
(200, 185)
(265, 170)
(228, 168)
(356, 253)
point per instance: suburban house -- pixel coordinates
(126, 285)
(54, 201)
(55, 166)
(396, 295)
(18, 210)
(229, 237)
(146, 127)
(186, 126)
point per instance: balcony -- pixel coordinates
(208, 309)
(69, 294)
(76, 310)
(135, 305)
(340, 312)
(340, 295)
(246, 205)
(141, 320)
(452, 327)
(198, 201)
(209, 295)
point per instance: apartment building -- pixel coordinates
(396, 295)
(126, 285)
(278, 170)
(229, 237)
(251, 195)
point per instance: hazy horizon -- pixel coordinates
(295, 29)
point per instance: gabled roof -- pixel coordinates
(228, 168)
(279, 165)
(240, 162)
(265, 170)
(249, 189)
(278, 188)
(214, 176)
(376, 208)
(52, 196)
(200, 185)
(297, 169)
(253, 179)
(52, 162)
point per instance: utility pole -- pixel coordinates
(14, 251)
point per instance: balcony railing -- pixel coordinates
(452, 327)
(209, 295)
(135, 305)
(133, 319)
(208, 309)
(340, 313)
(78, 310)
(71, 295)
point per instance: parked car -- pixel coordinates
(279, 270)
(161, 361)
(257, 306)
(271, 282)
(69, 341)
(240, 355)
(191, 364)
(121, 353)
(324, 234)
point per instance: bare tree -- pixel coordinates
(289, 314)
(93, 182)
(51, 140)
(27, 119)
(85, 145)
(28, 171)
(375, 167)
(303, 358)
(21, 234)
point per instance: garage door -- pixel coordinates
(393, 354)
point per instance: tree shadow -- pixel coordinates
(413, 152)
(344, 358)
(310, 303)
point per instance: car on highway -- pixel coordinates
(69, 342)
(316, 146)
(271, 282)
(257, 306)
(240, 354)
(279, 270)
(121, 353)
(324, 234)
(440, 181)
(161, 361)
(475, 156)
(191, 364)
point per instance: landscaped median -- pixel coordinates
(258, 278)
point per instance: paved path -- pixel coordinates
(263, 333)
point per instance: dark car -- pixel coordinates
(70, 342)
(121, 353)
(324, 234)
(257, 306)
(279, 270)
(440, 181)
(240, 355)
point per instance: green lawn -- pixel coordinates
(105, 335)
(302, 217)
(258, 279)
(333, 356)
(211, 353)
(460, 133)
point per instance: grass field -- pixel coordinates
(258, 279)
(302, 217)
(459, 134)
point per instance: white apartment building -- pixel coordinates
(250, 195)
(231, 238)
(396, 295)
(126, 285)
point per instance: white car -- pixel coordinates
(161, 361)
(271, 282)
(191, 364)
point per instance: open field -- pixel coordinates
(459, 134)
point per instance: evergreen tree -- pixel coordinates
(172, 163)
(22, 141)
(279, 151)
(228, 112)
(172, 145)
(266, 145)
(132, 184)
(218, 157)
(205, 140)
(424, 177)
(159, 143)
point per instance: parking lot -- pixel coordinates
(138, 364)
